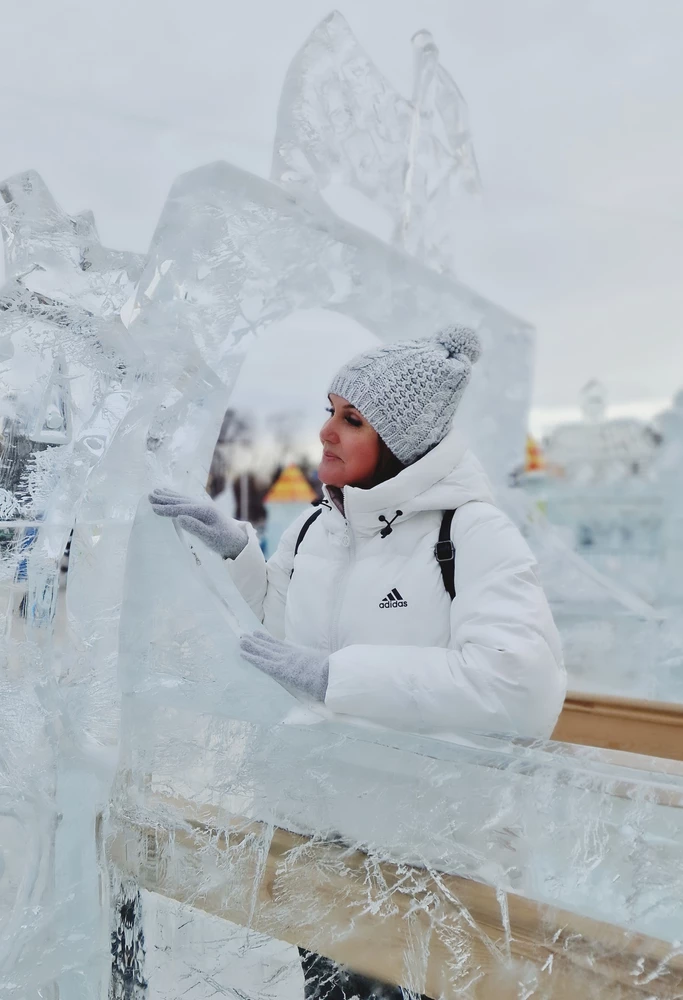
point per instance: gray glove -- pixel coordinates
(223, 534)
(292, 666)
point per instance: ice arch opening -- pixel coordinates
(234, 254)
(287, 370)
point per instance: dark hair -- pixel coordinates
(387, 466)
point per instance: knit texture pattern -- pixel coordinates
(409, 391)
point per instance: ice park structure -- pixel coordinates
(173, 822)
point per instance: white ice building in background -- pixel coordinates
(598, 484)
(669, 473)
(600, 451)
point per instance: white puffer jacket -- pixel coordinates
(490, 660)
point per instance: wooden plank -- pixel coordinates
(322, 896)
(653, 728)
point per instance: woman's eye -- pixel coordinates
(328, 409)
(354, 421)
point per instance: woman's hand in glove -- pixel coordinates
(292, 666)
(223, 534)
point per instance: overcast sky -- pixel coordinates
(576, 110)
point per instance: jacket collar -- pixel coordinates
(445, 478)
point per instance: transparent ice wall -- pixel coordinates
(215, 761)
(67, 379)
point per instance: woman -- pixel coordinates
(365, 607)
(360, 617)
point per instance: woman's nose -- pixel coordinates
(328, 433)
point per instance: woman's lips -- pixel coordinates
(329, 457)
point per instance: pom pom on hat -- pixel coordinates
(460, 341)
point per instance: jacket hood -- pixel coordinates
(445, 478)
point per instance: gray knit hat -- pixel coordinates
(409, 391)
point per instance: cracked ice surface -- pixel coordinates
(67, 380)
(568, 828)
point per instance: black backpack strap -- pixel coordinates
(444, 550)
(304, 528)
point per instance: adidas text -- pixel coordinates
(393, 600)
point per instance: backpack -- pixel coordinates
(444, 550)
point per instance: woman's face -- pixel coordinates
(351, 447)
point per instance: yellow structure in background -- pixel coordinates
(289, 496)
(534, 460)
(291, 486)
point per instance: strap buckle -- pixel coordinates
(444, 551)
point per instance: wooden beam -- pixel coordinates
(653, 728)
(473, 941)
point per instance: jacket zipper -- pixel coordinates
(341, 585)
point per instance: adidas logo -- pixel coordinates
(393, 600)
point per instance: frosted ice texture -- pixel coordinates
(200, 725)
(66, 382)
(341, 120)
(94, 414)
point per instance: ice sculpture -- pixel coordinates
(219, 805)
(542, 868)
(613, 641)
(670, 477)
(265, 253)
(198, 727)
(340, 119)
(66, 384)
